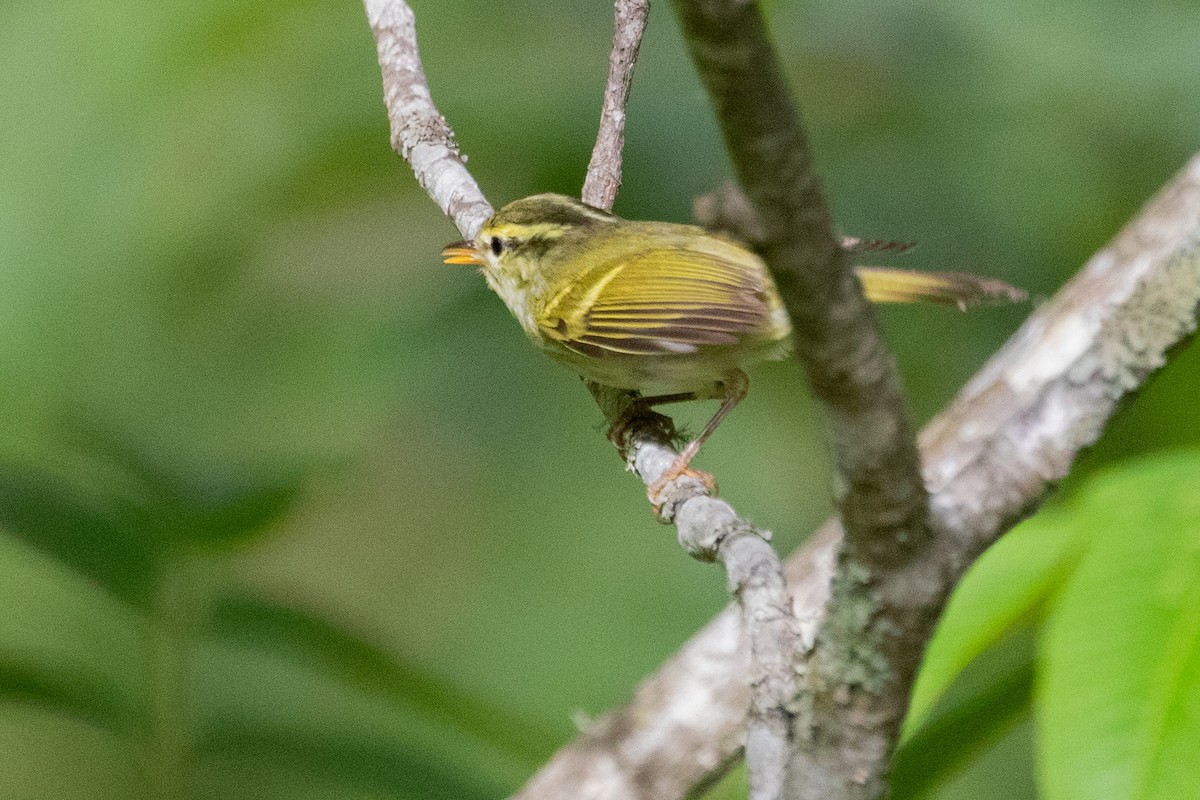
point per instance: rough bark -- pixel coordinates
(855, 695)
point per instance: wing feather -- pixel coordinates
(661, 302)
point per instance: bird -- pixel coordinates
(670, 311)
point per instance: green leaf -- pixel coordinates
(232, 515)
(1119, 686)
(273, 703)
(270, 720)
(65, 644)
(109, 511)
(98, 536)
(1009, 584)
(222, 509)
(351, 658)
(53, 756)
(994, 694)
(72, 673)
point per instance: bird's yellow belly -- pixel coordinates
(667, 373)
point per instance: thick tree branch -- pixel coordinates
(837, 338)
(420, 134)
(1016, 427)
(990, 458)
(868, 652)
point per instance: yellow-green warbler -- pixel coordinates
(671, 311)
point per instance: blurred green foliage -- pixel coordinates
(289, 509)
(1091, 612)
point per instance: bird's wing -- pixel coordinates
(659, 302)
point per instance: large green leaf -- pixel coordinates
(991, 697)
(1119, 688)
(1009, 584)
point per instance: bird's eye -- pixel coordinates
(497, 245)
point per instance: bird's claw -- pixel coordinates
(654, 491)
(617, 432)
(636, 415)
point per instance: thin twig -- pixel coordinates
(990, 458)
(710, 530)
(420, 134)
(604, 170)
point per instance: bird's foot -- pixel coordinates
(678, 469)
(637, 415)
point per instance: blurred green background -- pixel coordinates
(290, 509)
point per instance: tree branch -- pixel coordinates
(869, 650)
(604, 170)
(1016, 427)
(710, 530)
(420, 134)
(837, 338)
(990, 458)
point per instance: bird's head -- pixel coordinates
(528, 236)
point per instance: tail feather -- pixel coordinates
(856, 245)
(961, 289)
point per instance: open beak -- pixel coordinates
(461, 253)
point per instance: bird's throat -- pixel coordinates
(516, 293)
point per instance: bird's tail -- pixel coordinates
(961, 289)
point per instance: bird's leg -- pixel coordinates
(734, 388)
(640, 408)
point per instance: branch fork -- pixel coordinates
(859, 603)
